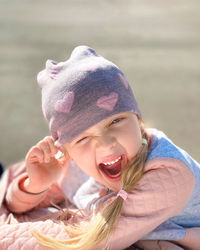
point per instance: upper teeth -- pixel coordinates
(112, 162)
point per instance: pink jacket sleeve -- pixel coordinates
(19, 201)
(162, 193)
(191, 241)
(19, 235)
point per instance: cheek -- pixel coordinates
(132, 141)
(87, 166)
(132, 147)
(83, 157)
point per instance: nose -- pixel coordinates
(105, 141)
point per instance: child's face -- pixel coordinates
(99, 150)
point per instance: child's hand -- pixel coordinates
(42, 167)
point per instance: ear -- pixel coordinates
(141, 123)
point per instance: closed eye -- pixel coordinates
(82, 139)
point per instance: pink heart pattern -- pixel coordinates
(123, 80)
(64, 105)
(108, 102)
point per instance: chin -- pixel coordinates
(113, 186)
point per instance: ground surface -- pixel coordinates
(155, 43)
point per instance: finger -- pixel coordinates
(53, 148)
(65, 152)
(62, 156)
(44, 147)
(34, 155)
(59, 155)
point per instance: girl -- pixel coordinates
(141, 185)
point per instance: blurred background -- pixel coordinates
(155, 43)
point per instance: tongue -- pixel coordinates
(115, 169)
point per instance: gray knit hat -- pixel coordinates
(82, 91)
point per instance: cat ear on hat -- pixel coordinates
(49, 73)
(83, 51)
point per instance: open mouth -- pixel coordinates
(112, 169)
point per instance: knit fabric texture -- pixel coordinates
(82, 91)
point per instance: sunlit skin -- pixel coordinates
(111, 140)
(118, 135)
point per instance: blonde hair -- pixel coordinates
(87, 235)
